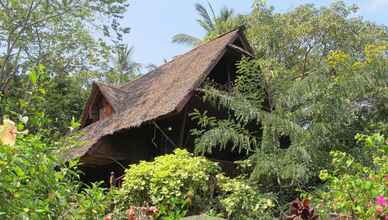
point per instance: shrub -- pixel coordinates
(35, 185)
(242, 201)
(29, 184)
(179, 176)
(181, 183)
(93, 202)
(356, 189)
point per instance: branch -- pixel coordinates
(26, 24)
(11, 46)
(305, 60)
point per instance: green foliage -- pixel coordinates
(354, 188)
(175, 209)
(93, 202)
(249, 82)
(39, 98)
(224, 134)
(179, 176)
(242, 201)
(180, 184)
(58, 34)
(36, 185)
(311, 82)
(319, 77)
(124, 69)
(51, 52)
(29, 184)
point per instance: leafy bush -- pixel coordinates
(179, 176)
(180, 183)
(356, 189)
(242, 201)
(92, 202)
(29, 184)
(35, 185)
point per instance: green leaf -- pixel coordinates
(19, 171)
(33, 77)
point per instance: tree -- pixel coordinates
(318, 79)
(213, 24)
(57, 33)
(73, 40)
(42, 102)
(125, 68)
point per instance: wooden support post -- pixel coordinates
(112, 179)
(164, 134)
(228, 72)
(183, 128)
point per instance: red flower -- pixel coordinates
(379, 210)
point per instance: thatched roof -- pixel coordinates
(157, 94)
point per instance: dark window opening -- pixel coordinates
(224, 73)
(284, 141)
(99, 110)
(238, 43)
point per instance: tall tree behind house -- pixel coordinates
(312, 69)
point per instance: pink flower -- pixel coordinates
(131, 213)
(380, 200)
(153, 210)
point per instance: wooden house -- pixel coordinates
(149, 116)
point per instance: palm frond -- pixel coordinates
(207, 22)
(225, 14)
(212, 11)
(186, 39)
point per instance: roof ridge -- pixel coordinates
(180, 55)
(225, 33)
(110, 86)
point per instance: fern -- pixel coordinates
(225, 134)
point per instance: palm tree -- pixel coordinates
(213, 24)
(125, 69)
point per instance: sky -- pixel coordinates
(154, 22)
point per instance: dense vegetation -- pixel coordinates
(50, 53)
(319, 78)
(309, 111)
